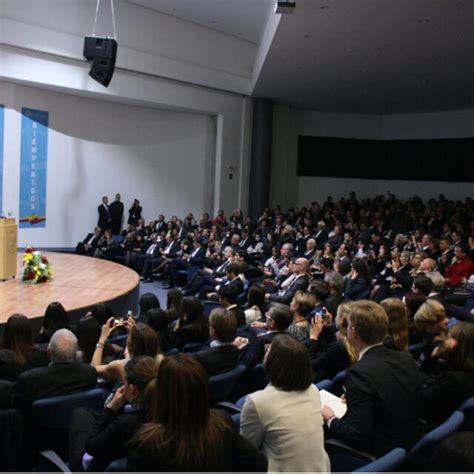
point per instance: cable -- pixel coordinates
(113, 17)
(97, 15)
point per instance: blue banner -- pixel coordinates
(2, 121)
(33, 168)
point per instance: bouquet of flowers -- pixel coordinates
(37, 267)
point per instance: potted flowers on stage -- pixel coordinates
(38, 269)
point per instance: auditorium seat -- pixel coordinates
(419, 455)
(221, 385)
(337, 383)
(344, 458)
(192, 347)
(391, 462)
(467, 409)
(209, 306)
(48, 418)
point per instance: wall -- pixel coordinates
(287, 189)
(95, 148)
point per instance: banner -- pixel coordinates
(2, 121)
(33, 168)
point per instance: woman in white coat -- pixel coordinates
(284, 420)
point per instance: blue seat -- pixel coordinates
(192, 347)
(390, 462)
(467, 408)
(344, 458)
(337, 383)
(118, 239)
(419, 455)
(50, 417)
(324, 384)
(209, 306)
(416, 349)
(220, 386)
(172, 352)
(120, 465)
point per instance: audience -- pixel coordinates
(18, 353)
(64, 374)
(97, 439)
(55, 317)
(397, 336)
(302, 304)
(221, 355)
(282, 421)
(256, 304)
(191, 326)
(383, 389)
(182, 433)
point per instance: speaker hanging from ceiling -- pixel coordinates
(102, 51)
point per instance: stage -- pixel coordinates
(79, 282)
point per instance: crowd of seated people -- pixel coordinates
(379, 289)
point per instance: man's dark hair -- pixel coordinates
(288, 366)
(423, 284)
(224, 323)
(320, 289)
(328, 263)
(281, 315)
(234, 268)
(229, 292)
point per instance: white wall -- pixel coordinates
(95, 148)
(287, 189)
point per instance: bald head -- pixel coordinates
(301, 265)
(63, 346)
(427, 265)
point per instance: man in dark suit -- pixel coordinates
(143, 261)
(89, 244)
(278, 318)
(383, 389)
(103, 210)
(300, 282)
(228, 295)
(222, 355)
(116, 215)
(194, 259)
(63, 376)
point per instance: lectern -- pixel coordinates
(8, 247)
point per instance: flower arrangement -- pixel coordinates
(38, 269)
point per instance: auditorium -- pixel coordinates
(200, 198)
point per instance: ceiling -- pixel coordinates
(245, 19)
(373, 56)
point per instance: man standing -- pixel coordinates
(104, 216)
(383, 389)
(116, 215)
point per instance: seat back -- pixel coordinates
(120, 465)
(324, 384)
(467, 408)
(11, 440)
(221, 385)
(391, 462)
(209, 306)
(48, 419)
(419, 455)
(337, 384)
(192, 347)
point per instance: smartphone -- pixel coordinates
(129, 313)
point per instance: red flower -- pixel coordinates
(30, 276)
(43, 279)
(29, 250)
(44, 259)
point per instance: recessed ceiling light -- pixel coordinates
(423, 21)
(307, 36)
(213, 22)
(324, 7)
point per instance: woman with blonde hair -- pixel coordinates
(338, 355)
(432, 321)
(302, 304)
(397, 337)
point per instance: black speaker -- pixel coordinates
(102, 51)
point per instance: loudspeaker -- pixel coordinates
(102, 51)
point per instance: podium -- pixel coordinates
(8, 247)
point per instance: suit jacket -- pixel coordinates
(301, 283)
(173, 251)
(384, 402)
(103, 216)
(253, 353)
(219, 359)
(56, 379)
(198, 259)
(116, 211)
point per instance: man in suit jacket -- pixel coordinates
(301, 282)
(89, 244)
(383, 389)
(278, 318)
(103, 210)
(194, 259)
(62, 377)
(222, 355)
(116, 215)
(228, 295)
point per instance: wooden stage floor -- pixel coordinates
(79, 282)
